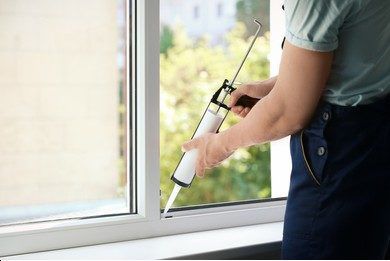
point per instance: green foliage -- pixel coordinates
(166, 39)
(190, 72)
(247, 10)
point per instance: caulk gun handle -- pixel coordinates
(246, 101)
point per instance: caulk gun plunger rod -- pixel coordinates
(248, 51)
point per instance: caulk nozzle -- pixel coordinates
(172, 198)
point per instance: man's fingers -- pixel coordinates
(199, 170)
(235, 96)
(245, 89)
(189, 145)
(200, 165)
(244, 112)
(240, 91)
(237, 109)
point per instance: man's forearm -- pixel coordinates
(267, 121)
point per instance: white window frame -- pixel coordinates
(27, 238)
(280, 149)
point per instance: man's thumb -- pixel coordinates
(234, 97)
(189, 145)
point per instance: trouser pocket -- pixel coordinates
(308, 159)
(308, 154)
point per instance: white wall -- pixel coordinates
(58, 101)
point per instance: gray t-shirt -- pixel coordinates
(358, 31)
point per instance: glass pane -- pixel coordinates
(201, 45)
(62, 109)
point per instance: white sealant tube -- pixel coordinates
(185, 171)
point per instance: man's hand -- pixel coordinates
(211, 151)
(255, 90)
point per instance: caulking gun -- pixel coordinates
(211, 121)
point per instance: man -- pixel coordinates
(332, 95)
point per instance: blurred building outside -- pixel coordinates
(213, 18)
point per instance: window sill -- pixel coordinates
(174, 246)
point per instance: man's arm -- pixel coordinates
(290, 104)
(285, 110)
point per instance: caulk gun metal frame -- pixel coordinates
(218, 102)
(246, 101)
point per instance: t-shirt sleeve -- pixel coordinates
(315, 24)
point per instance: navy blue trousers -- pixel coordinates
(338, 205)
